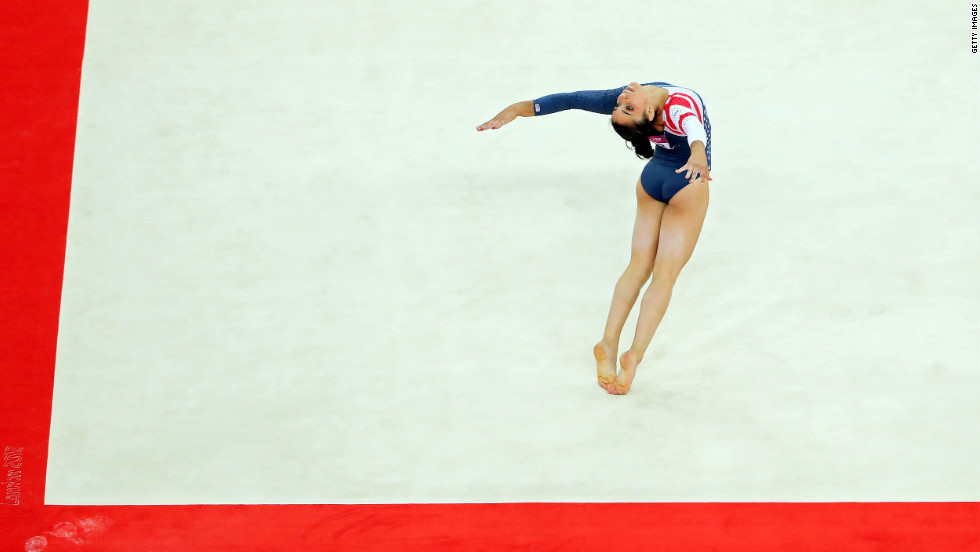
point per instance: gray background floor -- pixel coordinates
(297, 274)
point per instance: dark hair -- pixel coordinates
(638, 136)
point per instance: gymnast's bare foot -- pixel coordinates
(627, 371)
(605, 365)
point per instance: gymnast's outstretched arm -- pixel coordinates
(596, 101)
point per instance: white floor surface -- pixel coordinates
(297, 274)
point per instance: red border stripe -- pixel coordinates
(40, 59)
(642, 527)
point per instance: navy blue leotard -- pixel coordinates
(671, 148)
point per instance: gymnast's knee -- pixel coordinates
(665, 274)
(640, 265)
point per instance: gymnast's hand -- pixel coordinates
(520, 109)
(697, 164)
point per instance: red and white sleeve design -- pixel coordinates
(683, 117)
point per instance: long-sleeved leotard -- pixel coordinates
(685, 118)
(685, 121)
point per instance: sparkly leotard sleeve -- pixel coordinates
(596, 101)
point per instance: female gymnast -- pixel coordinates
(669, 126)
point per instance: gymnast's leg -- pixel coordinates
(644, 251)
(680, 227)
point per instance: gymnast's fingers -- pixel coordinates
(686, 167)
(494, 123)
